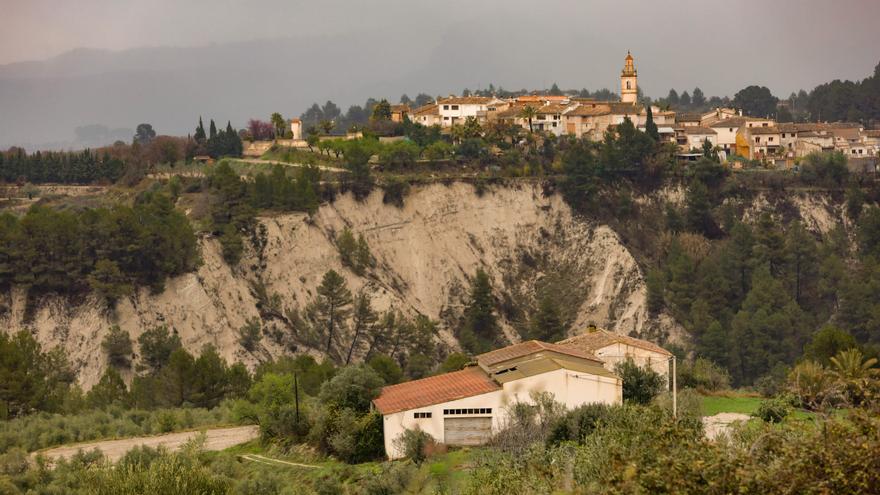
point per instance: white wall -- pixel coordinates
(568, 387)
(618, 352)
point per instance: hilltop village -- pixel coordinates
(737, 138)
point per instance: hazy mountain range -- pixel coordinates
(91, 97)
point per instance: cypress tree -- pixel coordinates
(200, 132)
(650, 126)
(213, 130)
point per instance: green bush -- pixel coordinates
(414, 444)
(250, 335)
(773, 410)
(640, 384)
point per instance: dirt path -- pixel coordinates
(216, 439)
(258, 161)
(275, 462)
(719, 424)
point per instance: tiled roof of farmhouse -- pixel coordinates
(429, 109)
(466, 100)
(589, 110)
(400, 108)
(515, 351)
(689, 117)
(872, 133)
(593, 340)
(763, 130)
(693, 129)
(435, 390)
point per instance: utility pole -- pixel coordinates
(296, 398)
(674, 391)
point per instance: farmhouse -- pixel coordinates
(613, 348)
(464, 407)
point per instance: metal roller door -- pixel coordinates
(467, 431)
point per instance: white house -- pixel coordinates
(465, 407)
(426, 115)
(455, 109)
(613, 348)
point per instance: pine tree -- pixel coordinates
(480, 329)
(547, 323)
(333, 307)
(213, 131)
(364, 318)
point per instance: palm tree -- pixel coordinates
(528, 112)
(853, 372)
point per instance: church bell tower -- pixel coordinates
(629, 88)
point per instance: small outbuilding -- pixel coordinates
(614, 348)
(465, 407)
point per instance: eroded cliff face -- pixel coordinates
(425, 252)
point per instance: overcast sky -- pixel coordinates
(719, 45)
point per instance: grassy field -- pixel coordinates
(714, 404)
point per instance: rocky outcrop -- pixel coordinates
(425, 254)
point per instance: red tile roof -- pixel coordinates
(434, 390)
(530, 347)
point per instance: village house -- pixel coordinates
(399, 113)
(465, 407)
(692, 137)
(455, 109)
(427, 115)
(762, 142)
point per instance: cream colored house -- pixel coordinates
(693, 137)
(426, 115)
(613, 348)
(465, 407)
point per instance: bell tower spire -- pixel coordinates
(629, 89)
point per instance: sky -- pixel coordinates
(719, 45)
(70, 65)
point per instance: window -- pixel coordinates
(730, 130)
(770, 139)
(758, 139)
(554, 124)
(501, 372)
(422, 415)
(457, 412)
(445, 107)
(628, 85)
(445, 118)
(455, 107)
(764, 124)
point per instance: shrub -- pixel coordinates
(773, 410)
(640, 384)
(414, 444)
(811, 385)
(250, 335)
(395, 190)
(704, 375)
(355, 254)
(577, 424)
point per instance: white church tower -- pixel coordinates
(629, 88)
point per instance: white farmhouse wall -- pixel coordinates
(568, 387)
(618, 352)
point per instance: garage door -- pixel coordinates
(467, 431)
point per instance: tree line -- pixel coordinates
(82, 167)
(108, 250)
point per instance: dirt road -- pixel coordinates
(217, 439)
(720, 423)
(258, 161)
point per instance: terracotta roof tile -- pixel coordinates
(530, 347)
(429, 109)
(466, 100)
(692, 129)
(435, 390)
(595, 340)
